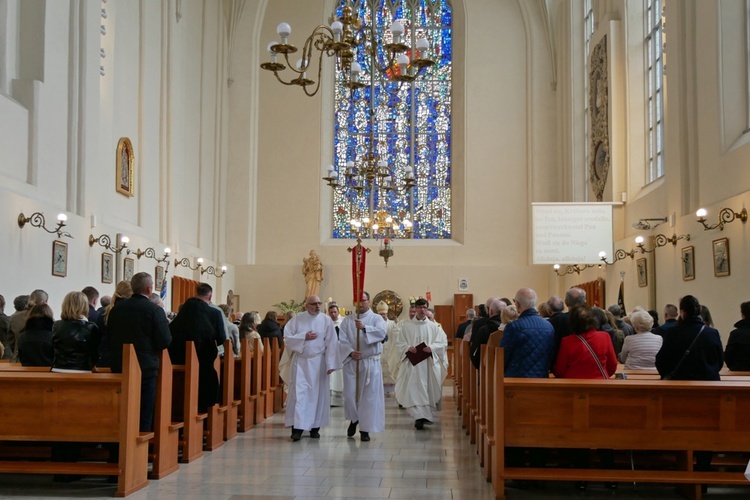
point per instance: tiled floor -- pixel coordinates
(401, 463)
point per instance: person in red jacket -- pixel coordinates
(587, 352)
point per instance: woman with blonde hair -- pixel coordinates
(248, 329)
(123, 291)
(74, 338)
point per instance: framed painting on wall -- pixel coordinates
(688, 263)
(59, 259)
(128, 269)
(107, 266)
(125, 166)
(640, 265)
(721, 257)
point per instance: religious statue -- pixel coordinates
(312, 269)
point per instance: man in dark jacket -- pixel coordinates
(573, 297)
(470, 313)
(140, 322)
(197, 321)
(494, 306)
(737, 353)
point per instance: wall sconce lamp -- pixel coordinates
(216, 272)
(105, 241)
(37, 220)
(151, 254)
(726, 215)
(619, 255)
(185, 262)
(660, 241)
(570, 269)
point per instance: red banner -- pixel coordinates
(359, 253)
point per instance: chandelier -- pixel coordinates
(343, 39)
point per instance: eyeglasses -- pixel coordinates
(314, 303)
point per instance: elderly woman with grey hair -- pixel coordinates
(639, 350)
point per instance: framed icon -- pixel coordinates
(125, 167)
(463, 284)
(721, 257)
(641, 267)
(688, 263)
(159, 278)
(59, 259)
(107, 266)
(128, 269)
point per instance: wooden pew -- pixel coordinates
(473, 408)
(677, 416)
(458, 375)
(268, 387)
(213, 431)
(185, 405)
(466, 368)
(256, 384)
(227, 392)
(78, 407)
(243, 368)
(488, 386)
(166, 432)
(279, 394)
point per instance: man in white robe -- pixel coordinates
(419, 387)
(337, 377)
(369, 410)
(388, 346)
(311, 340)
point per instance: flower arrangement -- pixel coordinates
(292, 305)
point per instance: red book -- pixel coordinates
(417, 357)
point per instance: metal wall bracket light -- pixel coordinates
(105, 241)
(660, 241)
(37, 220)
(214, 271)
(151, 254)
(726, 215)
(185, 262)
(619, 255)
(571, 268)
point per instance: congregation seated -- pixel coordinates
(75, 339)
(35, 346)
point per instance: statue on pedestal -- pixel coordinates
(312, 269)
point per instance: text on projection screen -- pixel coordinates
(571, 233)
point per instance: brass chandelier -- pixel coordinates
(343, 39)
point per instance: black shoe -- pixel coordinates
(364, 436)
(296, 434)
(352, 429)
(315, 433)
(419, 424)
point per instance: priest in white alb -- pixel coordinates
(311, 340)
(390, 342)
(364, 407)
(336, 378)
(419, 387)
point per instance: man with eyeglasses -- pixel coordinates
(419, 387)
(311, 340)
(364, 401)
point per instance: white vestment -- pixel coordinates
(419, 387)
(337, 378)
(308, 404)
(370, 410)
(392, 358)
(388, 349)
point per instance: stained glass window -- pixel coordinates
(410, 123)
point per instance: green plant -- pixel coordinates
(292, 305)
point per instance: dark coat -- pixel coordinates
(76, 344)
(35, 343)
(140, 322)
(197, 322)
(269, 329)
(737, 353)
(480, 337)
(462, 329)
(706, 357)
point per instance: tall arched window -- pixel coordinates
(410, 123)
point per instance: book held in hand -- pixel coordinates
(417, 357)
